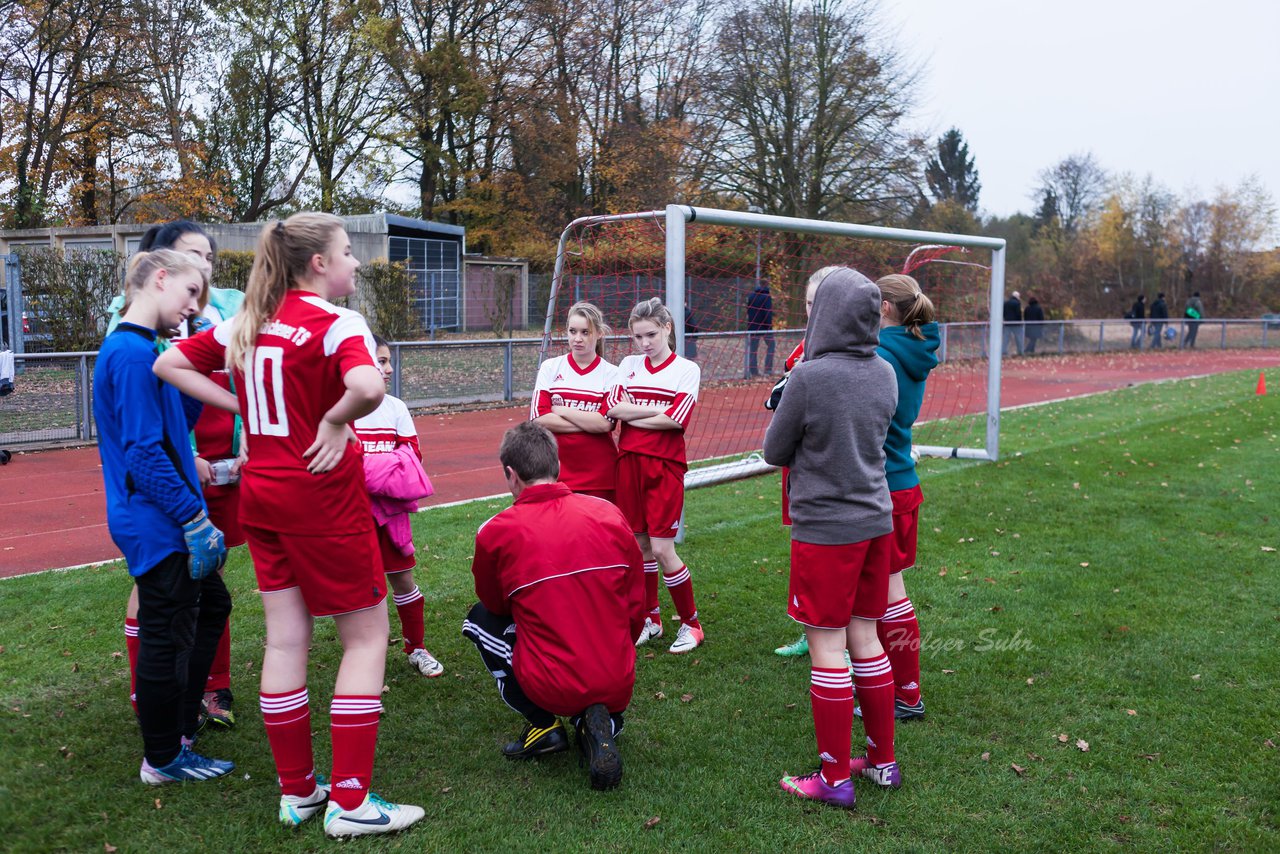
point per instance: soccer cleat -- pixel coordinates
(295, 809)
(187, 765)
(812, 787)
(426, 663)
(800, 647)
(688, 639)
(887, 777)
(599, 747)
(373, 816)
(217, 709)
(652, 629)
(901, 711)
(538, 741)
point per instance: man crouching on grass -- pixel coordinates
(561, 586)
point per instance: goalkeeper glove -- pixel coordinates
(776, 395)
(206, 550)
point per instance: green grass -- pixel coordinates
(1108, 581)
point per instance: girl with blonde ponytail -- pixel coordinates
(304, 371)
(569, 400)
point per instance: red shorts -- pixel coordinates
(336, 574)
(906, 523)
(650, 493)
(393, 560)
(609, 495)
(224, 512)
(831, 585)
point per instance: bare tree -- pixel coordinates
(808, 100)
(1077, 184)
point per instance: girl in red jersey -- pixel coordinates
(394, 475)
(304, 371)
(654, 399)
(569, 400)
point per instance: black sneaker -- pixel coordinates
(217, 708)
(538, 741)
(599, 748)
(901, 710)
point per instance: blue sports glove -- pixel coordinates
(207, 551)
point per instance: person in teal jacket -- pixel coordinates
(909, 342)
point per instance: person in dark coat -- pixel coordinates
(1138, 314)
(1193, 313)
(1033, 317)
(760, 326)
(1012, 324)
(1159, 313)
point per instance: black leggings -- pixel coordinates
(180, 622)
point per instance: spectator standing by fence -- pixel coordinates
(760, 325)
(1012, 324)
(1137, 313)
(1159, 314)
(1033, 318)
(1193, 313)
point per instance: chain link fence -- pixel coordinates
(52, 401)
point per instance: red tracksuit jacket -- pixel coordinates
(567, 568)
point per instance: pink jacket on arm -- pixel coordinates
(396, 480)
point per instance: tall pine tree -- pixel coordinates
(951, 172)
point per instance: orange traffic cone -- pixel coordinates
(1262, 383)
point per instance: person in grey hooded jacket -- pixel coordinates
(830, 428)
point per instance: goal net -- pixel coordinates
(713, 268)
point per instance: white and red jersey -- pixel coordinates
(292, 377)
(387, 428)
(670, 388)
(587, 460)
(567, 568)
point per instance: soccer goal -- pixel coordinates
(711, 268)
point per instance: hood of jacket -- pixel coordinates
(917, 358)
(845, 317)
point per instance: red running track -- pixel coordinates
(52, 512)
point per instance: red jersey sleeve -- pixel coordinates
(204, 351)
(406, 433)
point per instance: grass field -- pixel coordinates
(1099, 613)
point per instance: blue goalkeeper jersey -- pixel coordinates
(147, 466)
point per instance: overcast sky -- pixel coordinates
(1184, 90)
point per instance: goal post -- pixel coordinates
(707, 260)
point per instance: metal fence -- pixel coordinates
(52, 401)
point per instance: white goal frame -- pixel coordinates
(677, 217)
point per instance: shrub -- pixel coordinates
(384, 294)
(68, 297)
(231, 269)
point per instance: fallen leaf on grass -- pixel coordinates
(1082, 745)
(1063, 738)
(109, 848)
(648, 655)
(158, 805)
(947, 671)
(1017, 769)
(1270, 743)
(790, 705)
(995, 608)
(1267, 549)
(75, 667)
(1035, 757)
(1151, 757)
(685, 698)
(652, 823)
(446, 790)
(942, 571)
(1084, 563)
(986, 757)
(659, 696)
(1131, 712)
(1195, 677)
(1031, 680)
(116, 654)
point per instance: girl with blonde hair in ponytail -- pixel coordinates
(569, 400)
(909, 341)
(304, 370)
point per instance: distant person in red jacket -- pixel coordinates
(540, 567)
